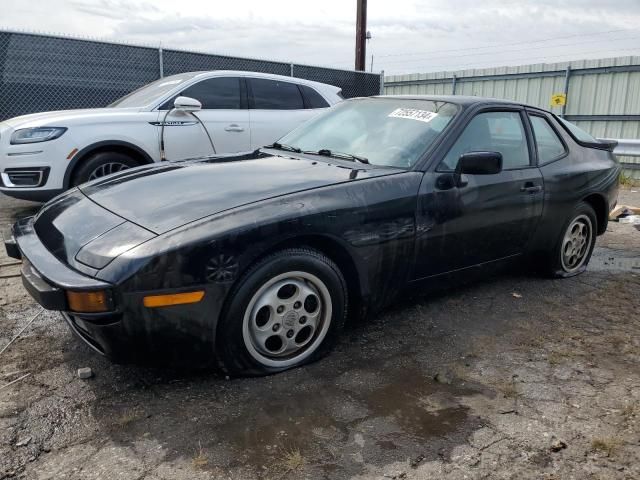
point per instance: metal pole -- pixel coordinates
(291, 70)
(382, 82)
(361, 35)
(161, 62)
(372, 62)
(453, 85)
(567, 75)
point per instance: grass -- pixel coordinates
(127, 418)
(555, 358)
(200, 459)
(631, 410)
(628, 181)
(292, 460)
(561, 355)
(608, 445)
(508, 389)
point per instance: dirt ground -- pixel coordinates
(514, 377)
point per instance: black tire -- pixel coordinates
(558, 265)
(95, 162)
(236, 349)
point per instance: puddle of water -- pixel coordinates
(344, 426)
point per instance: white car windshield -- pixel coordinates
(385, 131)
(153, 91)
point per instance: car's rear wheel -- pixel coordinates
(573, 250)
(101, 164)
(286, 311)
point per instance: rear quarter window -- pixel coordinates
(312, 98)
(275, 95)
(577, 132)
(548, 144)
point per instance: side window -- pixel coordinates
(216, 93)
(313, 99)
(275, 95)
(492, 132)
(213, 93)
(549, 145)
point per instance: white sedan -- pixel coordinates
(183, 116)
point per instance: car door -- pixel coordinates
(224, 114)
(275, 108)
(491, 217)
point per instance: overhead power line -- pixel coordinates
(498, 45)
(541, 47)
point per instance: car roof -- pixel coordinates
(270, 76)
(464, 100)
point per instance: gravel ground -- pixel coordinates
(513, 377)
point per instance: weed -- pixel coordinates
(631, 410)
(200, 459)
(127, 418)
(628, 181)
(608, 445)
(292, 460)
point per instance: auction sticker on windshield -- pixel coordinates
(413, 114)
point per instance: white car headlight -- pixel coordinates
(37, 134)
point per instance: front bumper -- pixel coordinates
(176, 335)
(47, 279)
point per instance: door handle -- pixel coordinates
(234, 127)
(529, 187)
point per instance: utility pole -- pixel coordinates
(361, 35)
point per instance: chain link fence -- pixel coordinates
(43, 73)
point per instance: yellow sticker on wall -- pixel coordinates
(558, 100)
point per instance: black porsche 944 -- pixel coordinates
(254, 262)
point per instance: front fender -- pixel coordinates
(372, 221)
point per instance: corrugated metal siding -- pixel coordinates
(605, 93)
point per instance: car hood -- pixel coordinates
(163, 197)
(60, 118)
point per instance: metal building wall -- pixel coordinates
(603, 95)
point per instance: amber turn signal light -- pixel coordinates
(89, 302)
(153, 301)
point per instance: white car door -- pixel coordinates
(224, 114)
(275, 108)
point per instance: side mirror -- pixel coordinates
(187, 104)
(477, 163)
(480, 163)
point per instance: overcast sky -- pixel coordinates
(409, 36)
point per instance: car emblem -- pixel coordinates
(290, 318)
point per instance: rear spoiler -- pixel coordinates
(607, 144)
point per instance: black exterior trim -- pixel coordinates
(32, 195)
(50, 297)
(545, 116)
(10, 244)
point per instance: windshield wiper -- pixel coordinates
(283, 146)
(325, 152)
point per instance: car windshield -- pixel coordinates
(153, 91)
(385, 131)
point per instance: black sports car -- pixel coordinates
(256, 261)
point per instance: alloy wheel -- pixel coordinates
(107, 169)
(576, 243)
(287, 319)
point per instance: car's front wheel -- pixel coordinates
(287, 310)
(101, 164)
(573, 250)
